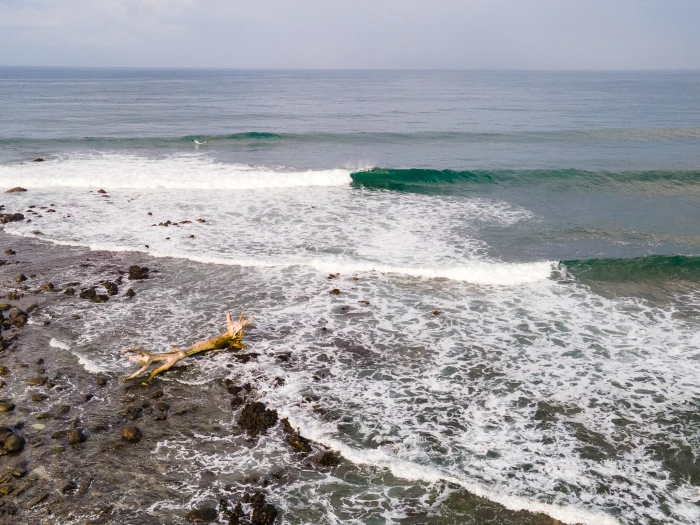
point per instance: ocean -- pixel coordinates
(516, 256)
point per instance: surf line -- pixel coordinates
(414, 472)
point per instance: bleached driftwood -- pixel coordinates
(232, 338)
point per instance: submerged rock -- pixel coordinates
(203, 515)
(256, 418)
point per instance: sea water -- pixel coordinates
(516, 255)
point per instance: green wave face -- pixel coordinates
(649, 268)
(417, 179)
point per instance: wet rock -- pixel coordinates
(59, 434)
(328, 459)
(21, 277)
(130, 293)
(47, 287)
(32, 307)
(14, 443)
(88, 294)
(62, 410)
(100, 298)
(138, 272)
(436, 312)
(131, 433)
(335, 291)
(202, 515)
(88, 397)
(162, 406)
(10, 217)
(101, 380)
(4, 371)
(39, 397)
(112, 288)
(18, 317)
(245, 358)
(256, 418)
(16, 189)
(101, 191)
(131, 412)
(157, 394)
(38, 159)
(297, 441)
(10, 251)
(37, 381)
(6, 406)
(69, 291)
(76, 436)
(263, 513)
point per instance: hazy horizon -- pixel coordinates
(538, 35)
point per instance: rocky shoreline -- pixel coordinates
(82, 447)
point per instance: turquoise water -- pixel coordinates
(551, 218)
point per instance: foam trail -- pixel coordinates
(185, 172)
(475, 272)
(58, 344)
(88, 365)
(414, 472)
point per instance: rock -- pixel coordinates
(39, 397)
(18, 317)
(37, 381)
(38, 159)
(335, 291)
(10, 251)
(328, 459)
(76, 437)
(21, 277)
(256, 418)
(263, 513)
(201, 220)
(17, 189)
(157, 394)
(101, 380)
(130, 293)
(88, 294)
(62, 410)
(138, 272)
(100, 298)
(14, 443)
(32, 307)
(10, 217)
(101, 191)
(131, 412)
(69, 291)
(59, 434)
(203, 515)
(47, 287)
(162, 406)
(112, 288)
(131, 433)
(6, 406)
(38, 499)
(296, 440)
(4, 371)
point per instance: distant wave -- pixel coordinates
(651, 267)
(272, 138)
(419, 179)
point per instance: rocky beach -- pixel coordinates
(84, 447)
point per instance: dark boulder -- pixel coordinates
(100, 298)
(88, 294)
(112, 288)
(263, 513)
(138, 272)
(14, 443)
(256, 418)
(130, 293)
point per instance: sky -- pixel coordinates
(353, 34)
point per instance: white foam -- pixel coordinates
(58, 344)
(185, 172)
(415, 472)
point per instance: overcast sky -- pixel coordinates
(464, 34)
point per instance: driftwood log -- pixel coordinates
(232, 338)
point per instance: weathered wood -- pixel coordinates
(232, 338)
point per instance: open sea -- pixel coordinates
(517, 256)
